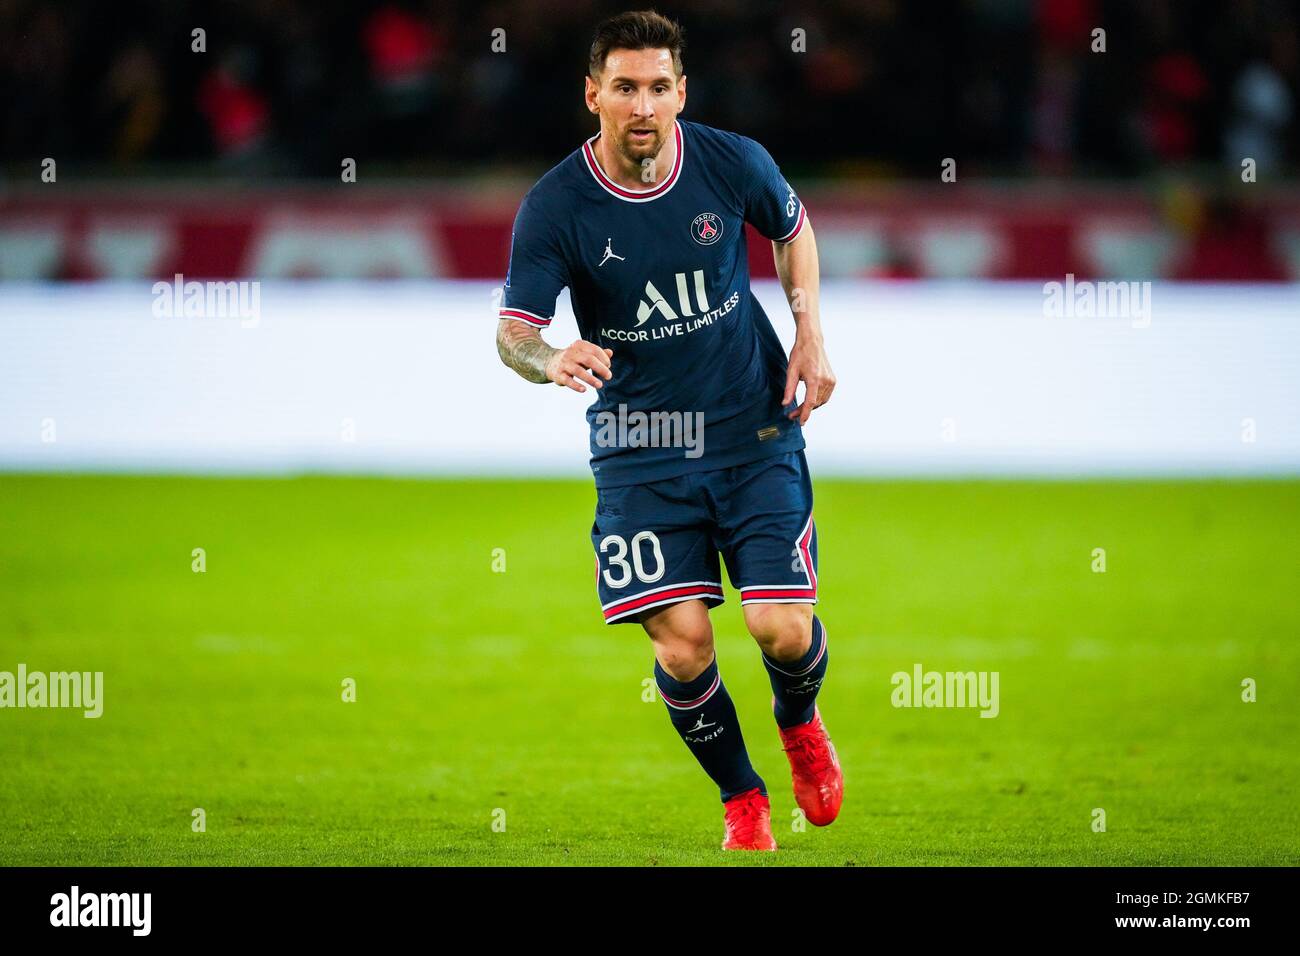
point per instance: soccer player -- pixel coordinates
(697, 441)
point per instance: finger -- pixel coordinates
(581, 373)
(586, 353)
(791, 384)
(574, 384)
(809, 402)
(596, 361)
(825, 395)
(567, 380)
(587, 365)
(602, 355)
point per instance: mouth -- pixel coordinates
(641, 134)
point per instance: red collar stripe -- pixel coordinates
(631, 194)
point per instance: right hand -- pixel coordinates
(580, 362)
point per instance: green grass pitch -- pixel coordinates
(489, 697)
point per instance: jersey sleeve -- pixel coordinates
(537, 271)
(771, 205)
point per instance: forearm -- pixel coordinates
(796, 265)
(522, 349)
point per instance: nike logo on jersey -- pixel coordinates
(609, 253)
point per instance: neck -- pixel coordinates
(626, 172)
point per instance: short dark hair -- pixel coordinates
(637, 30)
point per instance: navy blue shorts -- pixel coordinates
(658, 543)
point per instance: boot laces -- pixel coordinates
(812, 752)
(743, 817)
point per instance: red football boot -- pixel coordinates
(749, 822)
(815, 770)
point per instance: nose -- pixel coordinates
(643, 106)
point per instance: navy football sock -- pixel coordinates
(702, 712)
(795, 683)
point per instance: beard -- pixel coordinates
(637, 153)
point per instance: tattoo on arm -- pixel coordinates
(522, 349)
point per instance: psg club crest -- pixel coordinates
(706, 229)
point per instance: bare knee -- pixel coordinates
(783, 631)
(683, 639)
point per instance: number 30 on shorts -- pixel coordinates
(635, 550)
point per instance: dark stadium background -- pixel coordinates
(1152, 129)
(884, 87)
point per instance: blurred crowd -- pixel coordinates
(887, 87)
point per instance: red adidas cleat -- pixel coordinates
(814, 769)
(749, 822)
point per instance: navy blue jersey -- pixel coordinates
(661, 277)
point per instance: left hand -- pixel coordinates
(809, 364)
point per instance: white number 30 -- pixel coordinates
(619, 557)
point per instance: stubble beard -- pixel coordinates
(637, 155)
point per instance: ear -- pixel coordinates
(681, 93)
(592, 95)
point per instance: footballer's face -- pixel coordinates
(637, 97)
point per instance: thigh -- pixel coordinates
(653, 548)
(767, 534)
